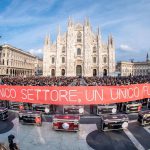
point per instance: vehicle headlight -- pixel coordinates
(75, 122)
(125, 125)
(81, 110)
(20, 115)
(54, 121)
(114, 110)
(47, 110)
(65, 126)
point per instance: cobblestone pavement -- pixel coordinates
(30, 137)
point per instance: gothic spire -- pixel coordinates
(58, 30)
(99, 32)
(59, 34)
(99, 38)
(47, 40)
(70, 22)
(110, 40)
(147, 57)
(87, 22)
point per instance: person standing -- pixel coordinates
(91, 109)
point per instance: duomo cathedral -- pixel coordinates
(79, 52)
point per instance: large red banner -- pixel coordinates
(75, 95)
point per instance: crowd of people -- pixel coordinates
(38, 81)
(103, 81)
(74, 81)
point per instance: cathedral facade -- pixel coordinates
(78, 52)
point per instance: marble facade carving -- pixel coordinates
(79, 51)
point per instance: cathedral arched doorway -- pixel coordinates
(105, 72)
(94, 72)
(53, 72)
(78, 70)
(63, 72)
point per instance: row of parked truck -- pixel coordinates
(111, 116)
(129, 107)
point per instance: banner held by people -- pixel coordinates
(75, 95)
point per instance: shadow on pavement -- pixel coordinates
(5, 126)
(111, 140)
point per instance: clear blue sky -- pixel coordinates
(24, 23)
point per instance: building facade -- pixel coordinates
(38, 66)
(16, 62)
(134, 68)
(78, 52)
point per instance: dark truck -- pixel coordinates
(131, 107)
(3, 113)
(66, 122)
(106, 109)
(114, 122)
(30, 117)
(18, 106)
(73, 109)
(144, 117)
(44, 108)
